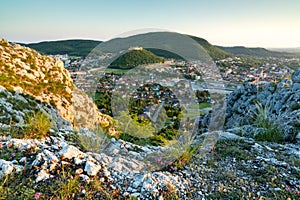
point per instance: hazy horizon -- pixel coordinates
(264, 23)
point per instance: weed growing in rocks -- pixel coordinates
(177, 155)
(37, 125)
(92, 141)
(65, 185)
(231, 149)
(262, 119)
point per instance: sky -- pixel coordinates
(251, 23)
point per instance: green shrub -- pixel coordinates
(37, 125)
(271, 131)
(3, 95)
(65, 185)
(272, 134)
(295, 106)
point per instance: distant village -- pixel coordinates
(171, 84)
(232, 70)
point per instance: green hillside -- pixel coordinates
(84, 47)
(70, 47)
(286, 50)
(215, 52)
(165, 53)
(134, 58)
(256, 52)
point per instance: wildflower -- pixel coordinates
(213, 148)
(37, 195)
(12, 155)
(71, 177)
(8, 145)
(158, 159)
(81, 187)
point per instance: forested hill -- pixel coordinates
(215, 52)
(71, 47)
(256, 52)
(134, 58)
(84, 47)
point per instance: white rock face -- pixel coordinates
(23, 145)
(91, 168)
(8, 167)
(42, 175)
(298, 137)
(69, 152)
(72, 104)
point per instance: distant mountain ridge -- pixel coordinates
(215, 52)
(256, 52)
(84, 47)
(81, 47)
(287, 50)
(76, 47)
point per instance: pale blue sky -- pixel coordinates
(265, 23)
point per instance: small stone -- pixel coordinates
(113, 187)
(160, 198)
(55, 147)
(116, 151)
(113, 140)
(44, 166)
(23, 159)
(91, 168)
(78, 161)
(52, 167)
(79, 171)
(155, 192)
(7, 167)
(42, 175)
(136, 184)
(84, 177)
(64, 163)
(102, 180)
(106, 173)
(69, 152)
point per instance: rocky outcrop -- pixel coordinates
(203, 177)
(24, 70)
(15, 106)
(281, 104)
(86, 114)
(40, 76)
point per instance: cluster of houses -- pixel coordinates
(232, 71)
(235, 71)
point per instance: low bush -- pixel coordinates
(37, 125)
(271, 131)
